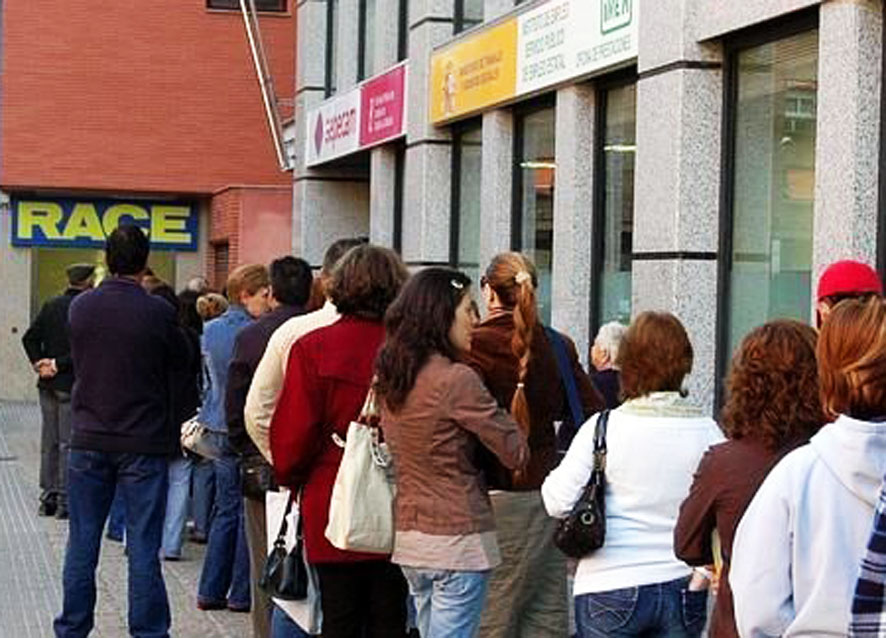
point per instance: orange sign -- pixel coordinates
(474, 73)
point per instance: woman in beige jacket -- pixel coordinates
(436, 415)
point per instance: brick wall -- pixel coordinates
(140, 96)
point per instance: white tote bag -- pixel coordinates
(307, 613)
(361, 512)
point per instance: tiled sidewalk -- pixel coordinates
(32, 551)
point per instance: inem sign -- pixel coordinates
(86, 223)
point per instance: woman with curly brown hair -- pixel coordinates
(515, 355)
(772, 407)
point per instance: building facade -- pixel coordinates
(702, 157)
(147, 112)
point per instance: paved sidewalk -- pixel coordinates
(32, 551)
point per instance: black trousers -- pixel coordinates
(363, 600)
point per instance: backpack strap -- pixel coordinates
(566, 375)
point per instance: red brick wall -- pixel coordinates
(146, 95)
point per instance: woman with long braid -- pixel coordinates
(517, 361)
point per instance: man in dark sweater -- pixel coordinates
(125, 344)
(49, 350)
(291, 281)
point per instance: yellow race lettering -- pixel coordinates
(169, 224)
(43, 215)
(84, 222)
(114, 213)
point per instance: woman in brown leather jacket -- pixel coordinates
(512, 353)
(436, 416)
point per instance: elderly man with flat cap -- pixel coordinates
(49, 350)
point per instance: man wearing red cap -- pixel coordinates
(846, 279)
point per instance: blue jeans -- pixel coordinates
(117, 517)
(282, 626)
(93, 478)
(225, 575)
(203, 496)
(176, 506)
(448, 603)
(666, 610)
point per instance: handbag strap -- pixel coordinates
(600, 442)
(284, 525)
(566, 375)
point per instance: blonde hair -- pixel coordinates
(211, 305)
(248, 278)
(514, 279)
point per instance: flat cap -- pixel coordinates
(79, 273)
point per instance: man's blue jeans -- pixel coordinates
(282, 626)
(176, 506)
(203, 496)
(93, 478)
(225, 576)
(663, 610)
(448, 603)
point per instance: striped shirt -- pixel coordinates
(869, 601)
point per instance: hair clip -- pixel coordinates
(522, 277)
(521, 385)
(457, 284)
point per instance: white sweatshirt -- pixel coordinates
(654, 445)
(798, 548)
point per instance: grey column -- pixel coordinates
(15, 269)
(427, 205)
(848, 132)
(573, 208)
(677, 181)
(382, 195)
(497, 184)
(348, 51)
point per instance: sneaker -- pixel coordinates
(211, 605)
(239, 609)
(196, 537)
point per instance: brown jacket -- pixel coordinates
(434, 439)
(492, 357)
(727, 478)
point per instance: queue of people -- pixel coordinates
(493, 431)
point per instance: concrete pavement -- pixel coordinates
(32, 551)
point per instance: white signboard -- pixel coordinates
(333, 128)
(564, 39)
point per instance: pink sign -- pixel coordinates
(382, 102)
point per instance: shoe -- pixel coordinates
(117, 538)
(211, 605)
(61, 513)
(172, 558)
(47, 508)
(239, 609)
(198, 538)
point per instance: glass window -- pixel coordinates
(260, 5)
(534, 203)
(399, 195)
(366, 61)
(331, 45)
(615, 243)
(403, 30)
(468, 13)
(467, 169)
(773, 183)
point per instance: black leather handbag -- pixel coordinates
(285, 574)
(584, 529)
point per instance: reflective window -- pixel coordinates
(534, 204)
(467, 165)
(468, 13)
(619, 139)
(773, 183)
(366, 61)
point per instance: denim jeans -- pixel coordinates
(117, 517)
(203, 496)
(93, 478)
(176, 506)
(225, 575)
(666, 610)
(448, 603)
(282, 626)
(55, 434)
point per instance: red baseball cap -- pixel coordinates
(849, 277)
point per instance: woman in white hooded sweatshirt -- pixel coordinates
(798, 547)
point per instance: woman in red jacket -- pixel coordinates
(327, 377)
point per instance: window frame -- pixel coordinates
(733, 45)
(361, 40)
(602, 88)
(235, 6)
(458, 131)
(402, 30)
(458, 18)
(329, 75)
(399, 195)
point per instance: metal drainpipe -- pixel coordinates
(266, 82)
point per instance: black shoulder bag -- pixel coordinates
(285, 574)
(584, 529)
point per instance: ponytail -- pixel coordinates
(525, 321)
